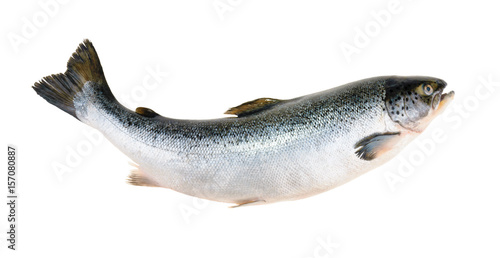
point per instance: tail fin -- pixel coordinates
(60, 89)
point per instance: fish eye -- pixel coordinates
(427, 89)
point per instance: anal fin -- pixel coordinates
(138, 178)
(374, 145)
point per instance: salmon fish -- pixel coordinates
(269, 150)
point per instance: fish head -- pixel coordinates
(413, 102)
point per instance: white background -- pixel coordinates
(445, 202)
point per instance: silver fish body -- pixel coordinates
(275, 150)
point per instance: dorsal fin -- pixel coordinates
(145, 112)
(252, 107)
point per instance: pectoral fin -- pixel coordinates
(375, 145)
(252, 107)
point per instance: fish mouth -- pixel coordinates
(440, 98)
(444, 100)
(439, 103)
(447, 96)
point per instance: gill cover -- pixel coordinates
(410, 99)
